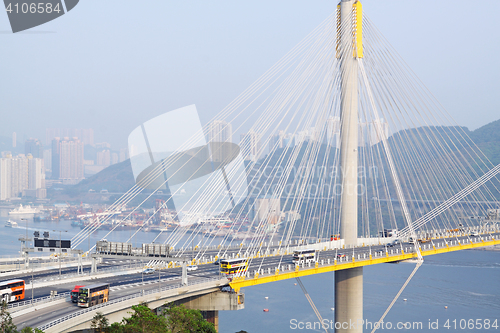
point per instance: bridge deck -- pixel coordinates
(426, 249)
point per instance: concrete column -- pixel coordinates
(93, 268)
(212, 317)
(348, 129)
(348, 283)
(349, 300)
(184, 274)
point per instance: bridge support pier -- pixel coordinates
(349, 300)
(93, 267)
(212, 317)
(80, 265)
(184, 278)
(349, 283)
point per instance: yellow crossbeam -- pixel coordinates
(241, 282)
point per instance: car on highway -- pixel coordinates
(148, 271)
(394, 243)
(341, 255)
(474, 234)
(192, 268)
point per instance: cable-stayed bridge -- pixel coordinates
(342, 141)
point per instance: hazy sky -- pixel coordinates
(111, 65)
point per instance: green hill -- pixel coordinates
(118, 178)
(487, 139)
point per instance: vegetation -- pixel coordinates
(174, 319)
(7, 325)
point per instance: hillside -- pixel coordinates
(488, 140)
(119, 178)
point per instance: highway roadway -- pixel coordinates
(122, 285)
(257, 263)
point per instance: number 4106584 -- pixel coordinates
(33, 8)
(471, 324)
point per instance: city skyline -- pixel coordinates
(211, 74)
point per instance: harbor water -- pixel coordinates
(454, 292)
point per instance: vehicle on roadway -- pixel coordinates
(394, 243)
(93, 295)
(341, 255)
(74, 293)
(148, 271)
(11, 290)
(232, 266)
(304, 256)
(474, 234)
(192, 268)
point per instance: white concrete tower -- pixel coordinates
(349, 283)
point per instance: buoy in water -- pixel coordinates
(266, 297)
(404, 299)
(266, 310)
(333, 309)
(446, 307)
(294, 284)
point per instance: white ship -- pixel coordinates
(24, 210)
(11, 224)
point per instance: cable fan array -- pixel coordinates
(413, 158)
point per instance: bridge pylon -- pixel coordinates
(349, 283)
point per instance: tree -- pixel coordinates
(143, 320)
(6, 323)
(31, 330)
(99, 323)
(182, 320)
(116, 328)
(206, 327)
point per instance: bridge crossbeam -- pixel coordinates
(426, 250)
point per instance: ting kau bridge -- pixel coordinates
(346, 156)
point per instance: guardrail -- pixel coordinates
(344, 258)
(100, 271)
(38, 300)
(119, 300)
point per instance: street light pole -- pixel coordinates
(26, 230)
(24, 251)
(32, 283)
(60, 252)
(159, 282)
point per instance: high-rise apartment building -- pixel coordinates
(369, 132)
(86, 135)
(47, 159)
(56, 158)
(372, 132)
(281, 140)
(71, 160)
(333, 131)
(219, 131)
(250, 145)
(104, 157)
(67, 160)
(22, 176)
(33, 147)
